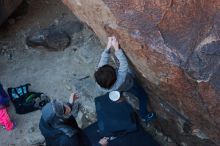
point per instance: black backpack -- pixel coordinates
(26, 101)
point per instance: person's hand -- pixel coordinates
(104, 141)
(73, 97)
(109, 44)
(115, 43)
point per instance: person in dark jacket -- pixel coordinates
(136, 138)
(58, 125)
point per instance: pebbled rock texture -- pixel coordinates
(175, 47)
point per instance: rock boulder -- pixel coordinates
(175, 47)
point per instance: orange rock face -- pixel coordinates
(175, 47)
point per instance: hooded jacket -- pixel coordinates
(56, 130)
(49, 116)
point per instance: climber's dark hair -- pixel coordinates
(105, 76)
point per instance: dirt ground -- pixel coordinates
(56, 74)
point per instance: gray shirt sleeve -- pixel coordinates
(122, 70)
(104, 58)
